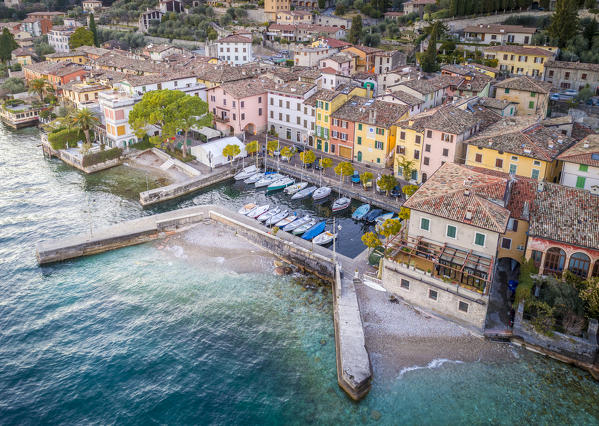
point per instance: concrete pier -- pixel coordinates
(354, 373)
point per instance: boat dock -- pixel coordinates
(354, 373)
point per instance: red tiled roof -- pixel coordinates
(584, 152)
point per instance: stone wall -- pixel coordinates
(448, 299)
(576, 348)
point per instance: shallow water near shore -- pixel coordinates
(148, 335)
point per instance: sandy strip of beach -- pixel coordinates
(400, 337)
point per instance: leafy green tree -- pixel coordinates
(404, 213)
(590, 296)
(590, 4)
(371, 240)
(81, 37)
(406, 167)
(322, 4)
(39, 86)
(252, 147)
(189, 111)
(231, 151)
(340, 9)
(84, 120)
(428, 60)
(93, 29)
(153, 110)
(307, 157)
(564, 22)
(388, 229)
(356, 30)
(287, 152)
(365, 178)
(7, 45)
(343, 169)
(325, 163)
(409, 190)
(585, 94)
(271, 147)
(387, 183)
(14, 85)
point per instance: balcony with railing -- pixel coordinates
(444, 262)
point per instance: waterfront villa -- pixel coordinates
(445, 258)
(116, 106)
(17, 114)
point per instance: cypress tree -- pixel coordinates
(564, 22)
(92, 28)
(356, 29)
(7, 45)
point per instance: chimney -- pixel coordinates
(585, 145)
(525, 210)
(468, 214)
(540, 186)
(594, 190)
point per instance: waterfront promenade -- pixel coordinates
(353, 363)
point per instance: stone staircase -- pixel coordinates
(167, 164)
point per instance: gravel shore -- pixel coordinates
(400, 338)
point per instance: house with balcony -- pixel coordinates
(343, 126)
(240, 106)
(116, 106)
(288, 116)
(498, 34)
(58, 38)
(137, 85)
(444, 260)
(572, 75)
(564, 231)
(83, 93)
(531, 96)
(580, 164)
(521, 60)
(365, 57)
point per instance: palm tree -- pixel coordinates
(84, 120)
(39, 86)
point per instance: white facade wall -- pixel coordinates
(465, 234)
(311, 57)
(59, 40)
(116, 108)
(235, 53)
(290, 117)
(571, 172)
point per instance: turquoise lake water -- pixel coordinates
(138, 336)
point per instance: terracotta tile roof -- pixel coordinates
(585, 151)
(497, 29)
(250, 87)
(325, 95)
(368, 50)
(292, 88)
(54, 68)
(520, 50)
(121, 62)
(404, 97)
(428, 86)
(140, 80)
(336, 44)
(328, 70)
(446, 118)
(352, 110)
(234, 38)
(533, 141)
(583, 66)
(340, 59)
(495, 103)
(482, 67)
(580, 131)
(525, 84)
(565, 214)
(454, 191)
(369, 111)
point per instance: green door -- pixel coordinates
(580, 181)
(319, 144)
(326, 146)
(359, 155)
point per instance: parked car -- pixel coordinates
(298, 148)
(555, 97)
(569, 93)
(317, 165)
(355, 178)
(396, 192)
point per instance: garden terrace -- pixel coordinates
(464, 268)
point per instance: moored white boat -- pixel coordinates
(255, 178)
(286, 221)
(324, 238)
(276, 218)
(267, 180)
(341, 204)
(303, 228)
(247, 208)
(296, 223)
(297, 187)
(361, 211)
(280, 184)
(306, 192)
(258, 211)
(246, 172)
(321, 193)
(265, 216)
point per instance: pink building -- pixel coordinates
(443, 131)
(240, 106)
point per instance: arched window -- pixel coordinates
(579, 264)
(554, 261)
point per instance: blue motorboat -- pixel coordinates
(314, 231)
(361, 212)
(372, 215)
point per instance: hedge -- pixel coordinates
(101, 157)
(525, 283)
(61, 137)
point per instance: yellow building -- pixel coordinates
(376, 132)
(483, 69)
(530, 95)
(521, 60)
(75, 57)
(274, 7)
(526, 148)
(327, 102)
(82, 93)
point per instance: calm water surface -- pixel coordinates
(140, 336)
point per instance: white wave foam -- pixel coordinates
(435, 363)
(177, 251)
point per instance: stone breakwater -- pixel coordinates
(354, 372)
